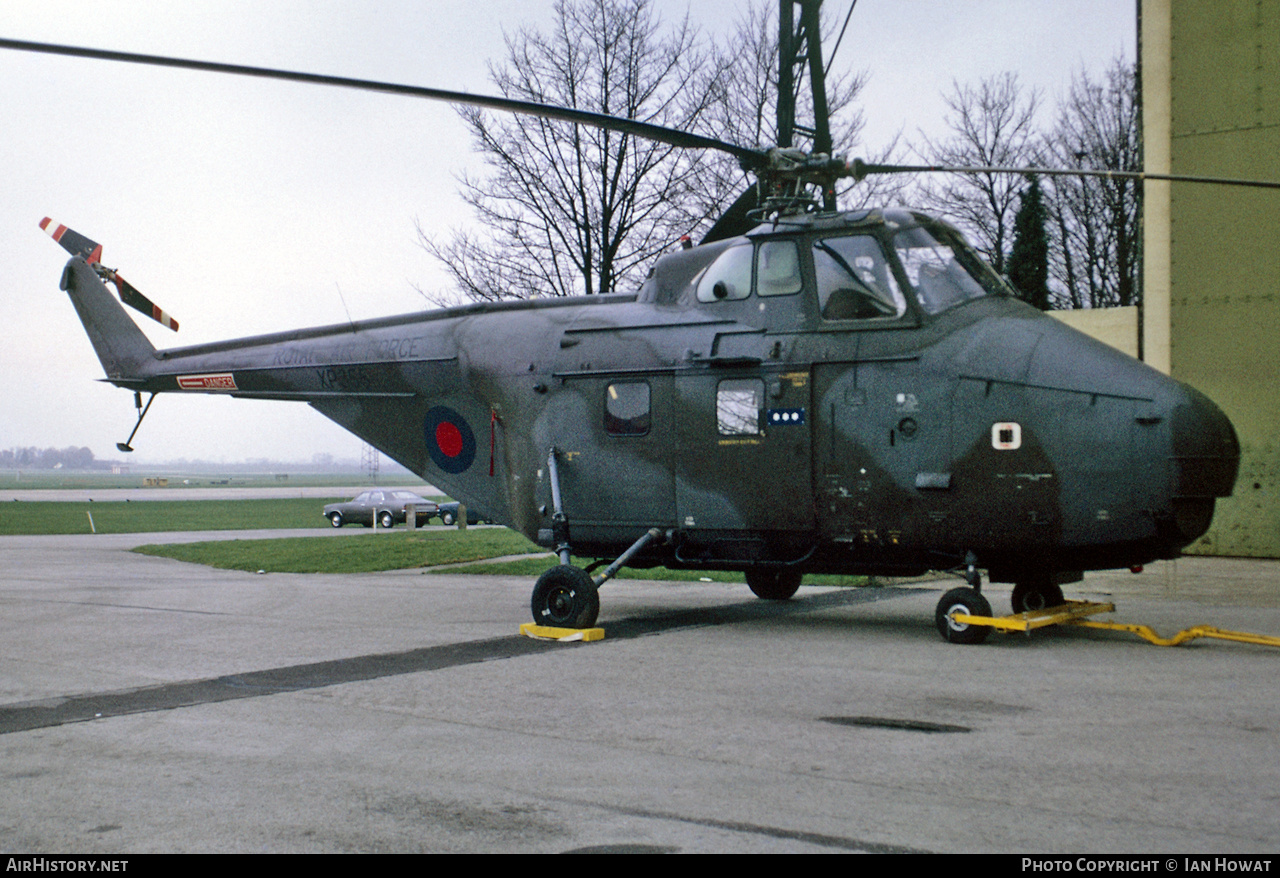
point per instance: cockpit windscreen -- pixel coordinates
(942, 269)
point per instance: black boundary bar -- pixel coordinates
(59, 710)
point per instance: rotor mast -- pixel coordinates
(799, 46)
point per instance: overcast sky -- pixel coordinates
(242, 206)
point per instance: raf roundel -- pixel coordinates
(450, 441)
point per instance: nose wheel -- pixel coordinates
(962, 600)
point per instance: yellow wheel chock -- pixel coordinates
(1076, 613)
(563, 635)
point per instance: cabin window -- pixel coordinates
(729, 277)
(778, 269)
(738, 404)
(854, 280)
(626, 409)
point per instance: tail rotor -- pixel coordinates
(91, 252)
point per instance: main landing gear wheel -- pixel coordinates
(962, 600)
(565, 597)
(1030, 595)
(773, 585)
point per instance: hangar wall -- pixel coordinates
(1117, 327)
(1211, 106)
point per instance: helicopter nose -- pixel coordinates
(1205, 458)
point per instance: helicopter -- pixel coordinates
(808, 390)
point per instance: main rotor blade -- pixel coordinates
(734, 220)
(748, 157)
(861, 169)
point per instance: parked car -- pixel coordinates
(449, 514)
(388, 507)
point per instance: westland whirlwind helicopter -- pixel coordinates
(806, 391)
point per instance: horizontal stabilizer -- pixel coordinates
(78, 245)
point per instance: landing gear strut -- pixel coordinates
(566, 596)
(142, 413)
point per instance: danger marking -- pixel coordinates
(216, 381)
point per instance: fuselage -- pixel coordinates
(847, 393)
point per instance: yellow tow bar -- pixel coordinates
(1076, 613)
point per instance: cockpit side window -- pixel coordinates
(778, 269)
(774, 267)
(729, 277)
(855, 281)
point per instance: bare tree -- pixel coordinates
(1095, 220)
(992, 125)
(568, 209)
(747, 110)
(565, 209)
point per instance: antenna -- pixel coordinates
(370, 462)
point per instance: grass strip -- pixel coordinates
(147, 516)
(535, 566)
(358, 553)
(399, 550)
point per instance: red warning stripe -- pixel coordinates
(56, 233)
(162, 317)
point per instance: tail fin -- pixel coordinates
(124, 351)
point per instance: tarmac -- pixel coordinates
(152, 706)
(181, 492)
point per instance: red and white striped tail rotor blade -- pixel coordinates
(134, 299)
(72, 241)
(78, 245)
